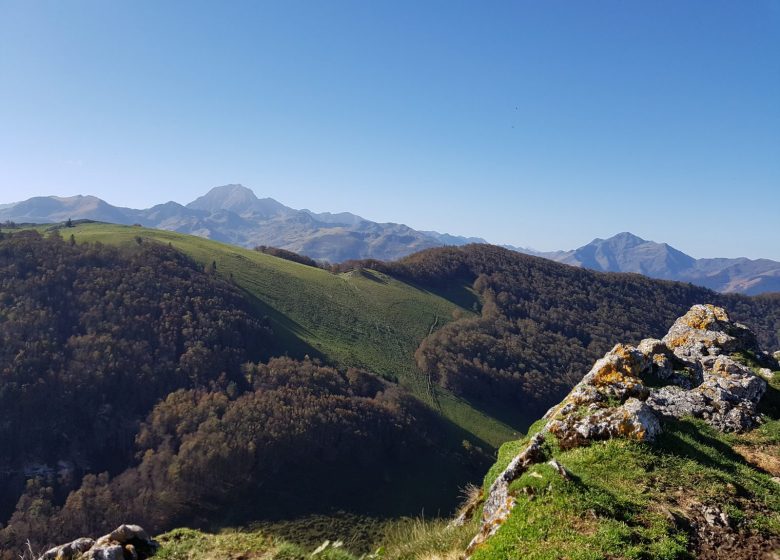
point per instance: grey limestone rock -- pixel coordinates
(727, 398)
(692, 375)
(69, 550)
(499, 503)
(108, 552)
(123, 543)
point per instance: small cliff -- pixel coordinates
(669, 448)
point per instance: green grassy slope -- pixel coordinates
(361, 319)
(631, 500)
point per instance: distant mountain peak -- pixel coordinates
(239, 200)
(234, 214)
(627, 236)
(226, 197)
(622, 239)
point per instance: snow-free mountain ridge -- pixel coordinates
(234, 214)
(625, 252)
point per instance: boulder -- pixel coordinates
(128, 533)
(107, 552)
(126, 542)
(706, 330)
(68, 551)
(726, 399)
(651, 346)
(632, 420)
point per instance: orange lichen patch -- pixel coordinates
(630, 430)
(611, 373)
(701, 317)
(678, 341)
(623, 352)
(719, 312)
(698, 319)
(765, 458)
(725, 366)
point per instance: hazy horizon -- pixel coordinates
(420, 228)
(542, 125)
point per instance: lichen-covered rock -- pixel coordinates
(727, 398)
(126, 542)
(129, 533)
(706, 330)
(617, 373)
(499, 503)
(688, 373)
(612, 379)
(607, 402)
(632, 420)
(651, 346)
(107, 552)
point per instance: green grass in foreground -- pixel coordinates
(397, 540)
(628, 500)
(366, 320)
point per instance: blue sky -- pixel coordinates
(542, 124)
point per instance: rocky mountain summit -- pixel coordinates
(697, 370)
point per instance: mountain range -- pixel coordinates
(234, 214)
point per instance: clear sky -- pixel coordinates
(537, 123)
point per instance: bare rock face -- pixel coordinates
(630, 391)
(126, 542)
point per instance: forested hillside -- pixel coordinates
(542, 324)
(92, 337)
(136, 368)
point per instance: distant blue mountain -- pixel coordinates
(233, 214)
(626, 252)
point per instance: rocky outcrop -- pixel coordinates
(728, 394)
(499, 503)
(126, 542)
(607, 403)
(694, 371)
